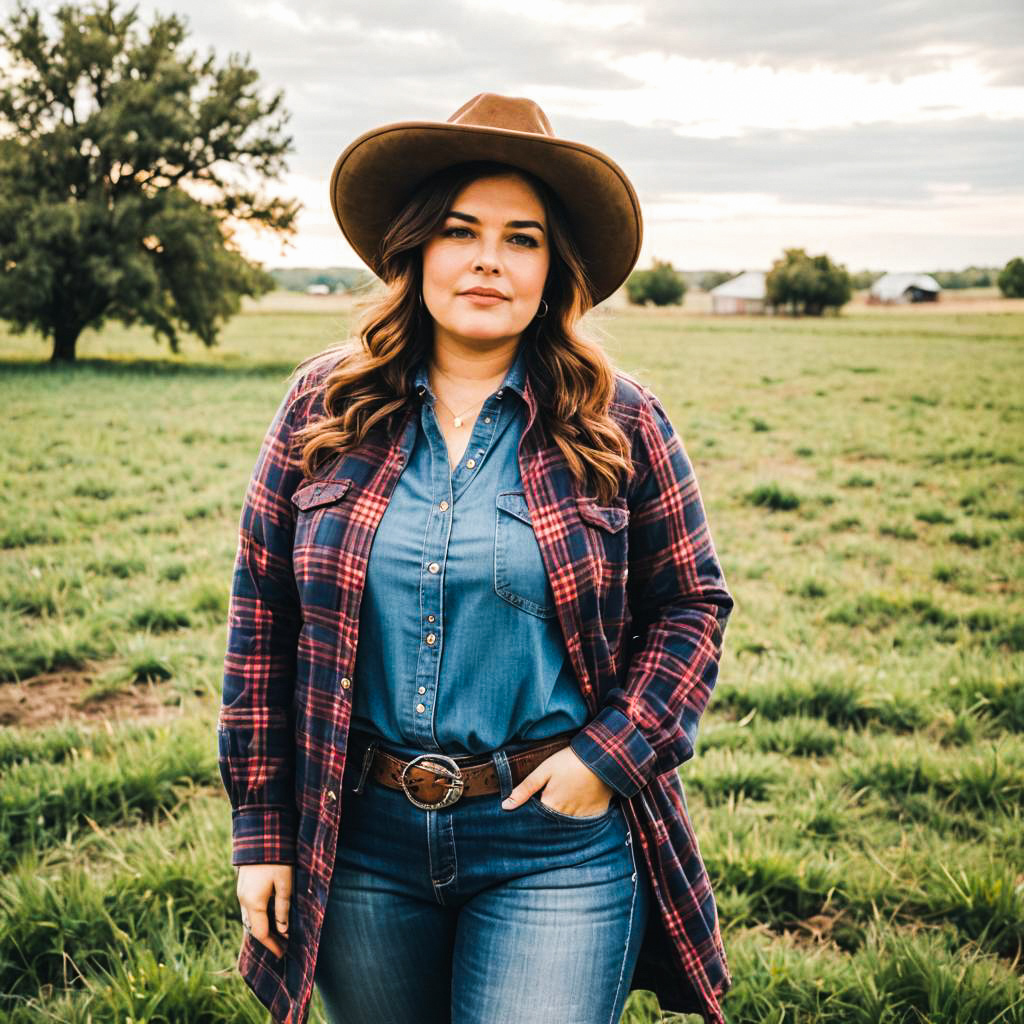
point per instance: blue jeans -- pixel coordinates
(471, 914)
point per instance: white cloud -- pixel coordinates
(719, 99)
(595, 16)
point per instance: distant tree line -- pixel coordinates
(806, 285)
(970, 277)
(338, 279)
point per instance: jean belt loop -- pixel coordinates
(367, 759)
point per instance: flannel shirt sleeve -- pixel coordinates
(679, 605)
(256, 742)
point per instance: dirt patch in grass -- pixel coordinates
(59, 697)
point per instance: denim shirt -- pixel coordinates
(460, 650)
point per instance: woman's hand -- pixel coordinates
(258, 886)
(571, 787)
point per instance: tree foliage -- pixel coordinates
(1011, 279)
(862, 280)
(662, 285)
(807, 285)
(969, 277)
(126, 165)
(713, 278)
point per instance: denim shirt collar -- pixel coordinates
(514, 379)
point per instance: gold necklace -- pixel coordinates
(457, 418)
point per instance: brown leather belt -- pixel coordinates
(432, 780)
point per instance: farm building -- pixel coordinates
(743, 294)
(890, 288)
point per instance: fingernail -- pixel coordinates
(508, 803)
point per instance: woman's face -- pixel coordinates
(494, 237)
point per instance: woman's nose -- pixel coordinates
(487, 259)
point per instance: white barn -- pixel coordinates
(901, 288)
(743, 294)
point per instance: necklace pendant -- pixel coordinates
(458, 421)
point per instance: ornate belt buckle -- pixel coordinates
(453, 775)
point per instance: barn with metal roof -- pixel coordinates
(900, 288)
(742, 294)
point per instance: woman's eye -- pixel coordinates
(522, 240)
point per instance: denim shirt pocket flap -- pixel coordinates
(515, 504)
(608, 517)
(319, 493)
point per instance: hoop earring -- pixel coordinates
(423, 305)
(540, 316)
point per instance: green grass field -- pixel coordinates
(859, 782)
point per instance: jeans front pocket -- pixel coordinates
(519, 573)
(572, 819)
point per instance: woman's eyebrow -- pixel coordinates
(508, 224)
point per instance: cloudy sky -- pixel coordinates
(889, 135)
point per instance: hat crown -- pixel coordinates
(509, 113)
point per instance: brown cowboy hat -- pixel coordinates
(377, 173)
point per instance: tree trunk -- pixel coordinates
(64, 339)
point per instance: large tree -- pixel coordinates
(126, 163)
(807, 284)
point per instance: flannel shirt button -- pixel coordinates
(420, 708)
(331, 795)
(421, 689)
(431, 638)
(346, 683)
(470, 463)
(434, 567)
(487, 419)
(443, 506)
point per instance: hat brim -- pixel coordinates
(378, 171)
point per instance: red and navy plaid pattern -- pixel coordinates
(642, 603)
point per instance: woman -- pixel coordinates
(431, 627)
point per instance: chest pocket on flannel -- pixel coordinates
(322, 515)
(607, 539)
(519, 574)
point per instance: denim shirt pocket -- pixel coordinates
(520, 576)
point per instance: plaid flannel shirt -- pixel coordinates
(642, 603)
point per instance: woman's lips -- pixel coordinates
(483, 300)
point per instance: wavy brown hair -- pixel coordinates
(570, 375)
